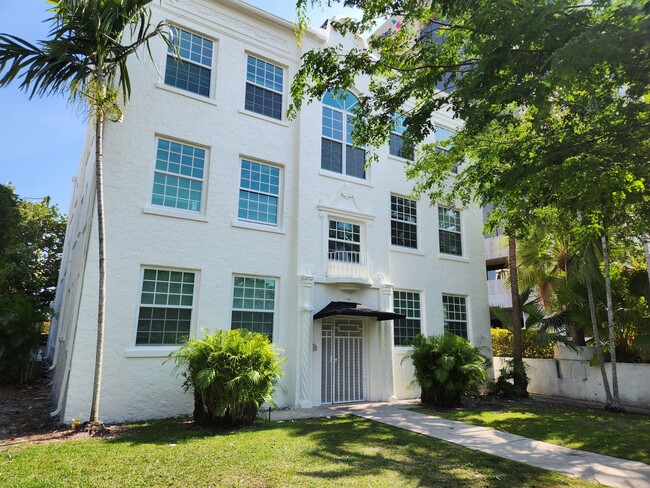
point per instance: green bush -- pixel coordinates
(446, 368)
(505, 386)
(503, 344)
(232, 374)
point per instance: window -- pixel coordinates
(264, 85)
(259, 189)
(165, 307)
(396, 145)
(337, 152)
(454, 311)
(449, 231)
(403, 222)
(193, 70)
(405, 330)
(178, 177)
(344, 242)
(444, 142)
(253, 304)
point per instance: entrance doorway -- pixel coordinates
(342, 372)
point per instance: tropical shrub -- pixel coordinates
(505, 386)
(534, 347)
(232, 373)
(446, 368)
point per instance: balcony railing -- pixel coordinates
(347, 264)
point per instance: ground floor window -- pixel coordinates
(454, 309)
(405, 330)
(253, 304)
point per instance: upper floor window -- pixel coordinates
(449, 231)
(264, 86)
(259, 191)
(165, 307)
(193, 70)
(178, 177)
(454, 309)
(396, 145)
(403, 222)
(444, 142)
(344, 243)
(253, 304)
(338, 154)
(407, 303)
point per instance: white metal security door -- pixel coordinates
(342, 361)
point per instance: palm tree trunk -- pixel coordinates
(616, 404)
(517, 356)
(99, 184)
(599, 348)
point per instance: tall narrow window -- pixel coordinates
(264, 86)
(405, 330)
(403, 222)
(396, 145)
(259, 191)
(449, 231)
(344, 242)
(165, 307)
(178, 177)
(444, 142)
(192, 69)
(253, 304)
(338, 154)
(454, 311)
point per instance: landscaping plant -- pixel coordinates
(446, 368)
(232, 373)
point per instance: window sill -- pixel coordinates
(261, 227)
(163, 212)
(263, 117)
(186, 93)
(342, 177)
(401, 160)
(406, 250)
(451, 257)
(150, 351)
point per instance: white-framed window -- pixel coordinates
(454, 311)
(443, 142)
(253, 304)
(178, 175)
(403, 222)
(344, 242)
(396, 145)
(166, 301)
(449, 231)
(338, 154)
(193, 71)
(259, 193)
(264, 87)
(407, 303)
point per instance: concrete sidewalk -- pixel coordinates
(588, 466)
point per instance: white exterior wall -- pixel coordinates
(215, 246)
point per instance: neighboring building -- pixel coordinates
(496, 267)
(222, 213)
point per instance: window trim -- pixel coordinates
(459, 232)
(249, 222)
(417, 227)
(212, 67)
(285, 71)
(465, 299)
(420, 294)
(276, 301)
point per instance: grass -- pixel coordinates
(625, 436)
(343, 451)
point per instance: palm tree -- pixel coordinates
(521, 383)
(85, 57)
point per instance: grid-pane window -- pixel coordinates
(338, 154)
(165, 307)
(253, 304)
(264, 85)
(403, 222)
(178, 177)
(259, 192)
(407, 303)
(192, 69)
(344, 243)
(444, 142)
(396, 145)
(454, 311)
(449, 231)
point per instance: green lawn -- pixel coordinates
(624, 436)
(343, 451)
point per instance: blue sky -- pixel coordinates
(41, 139)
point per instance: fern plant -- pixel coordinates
(446, 368)
(232, 373)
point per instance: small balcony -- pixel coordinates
(348, 267)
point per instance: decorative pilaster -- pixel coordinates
(305, 328)
(387, 342)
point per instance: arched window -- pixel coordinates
(338, 154)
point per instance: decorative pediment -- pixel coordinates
(345, 203)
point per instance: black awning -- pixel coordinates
(357, 310)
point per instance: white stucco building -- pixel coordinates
(221, 213)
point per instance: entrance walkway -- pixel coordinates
(588, 466)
